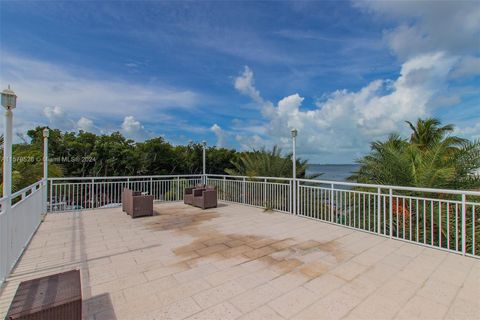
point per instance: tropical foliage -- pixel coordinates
(431, 157)
(265, 163)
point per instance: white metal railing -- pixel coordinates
(67, 194)
(264, 192)
(444, 219)
(19, 223)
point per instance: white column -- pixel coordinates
(7, 159)
(294, 174)
(45, 168)
(204, 143)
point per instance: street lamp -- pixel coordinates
(9, 102)
(294, 133)
(204, 144)
(46, 134)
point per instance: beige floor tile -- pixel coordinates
(324, 284)
(464, 309)
(254, 298)
(224, 311)
(438, 291)
(176, 311)
(236, 261)
(218, 294)
(334, 306)
(262, 313)
(293, 302)
(422, 308)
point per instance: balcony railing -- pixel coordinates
(19, 223)
(444, 219)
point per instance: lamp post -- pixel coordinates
(204, 144)
(294, 133)
(46, 134)
(9, 102)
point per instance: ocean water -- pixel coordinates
(335, 172)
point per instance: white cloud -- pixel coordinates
(425, 26)
(472, 132)
(85, 124)
(245, 84)
(130, 124)
(251, 142)
(347, 121)
(220, 134)
(435, 44)
(467, 66)
(54, 114)
(132, 128)
(61, 94)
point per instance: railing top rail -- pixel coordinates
(126, 177)
(381, 186)
(328, 182)
(248, 177)
(19, 192)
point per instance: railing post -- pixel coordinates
(379, 210)
(243, 191)
(464, 225)
(390, 209)
(178, 188)
(51, 196)
(93, 193)
(151, 186)
(294, 196)
(224, 185)
(265, 192)
(331, 203)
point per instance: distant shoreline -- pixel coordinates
(335, 172)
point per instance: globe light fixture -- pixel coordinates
(294, 133)
(9, 99)
(9, 102)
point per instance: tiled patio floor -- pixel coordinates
(238, 262)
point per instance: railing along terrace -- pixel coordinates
(67, 194)
(444, 219)
(18, 223)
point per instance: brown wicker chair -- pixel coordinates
(205, 198)
(188, 193)
(137, 205)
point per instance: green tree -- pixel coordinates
(115, 156)
(157, 157)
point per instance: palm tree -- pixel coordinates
(429, 159)
(429, 131)
(266, 163)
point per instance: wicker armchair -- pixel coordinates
(205, 198)
(136, 204)
(188, 193)
(127, 197)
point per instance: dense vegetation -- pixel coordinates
(431, 157)
(82, 154)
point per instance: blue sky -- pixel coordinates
(241, 74)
